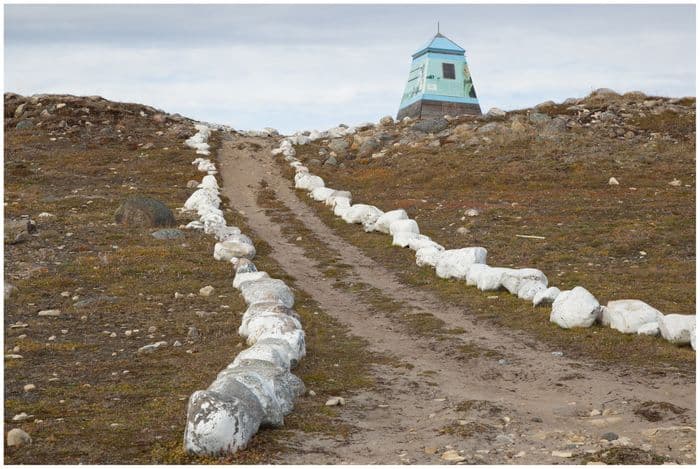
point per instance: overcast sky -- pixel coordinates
(314, 66)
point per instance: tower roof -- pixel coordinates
(440, 44)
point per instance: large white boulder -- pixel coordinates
(490, 279)
(320, 194)
(422, 241)
(234, 246)
(453, 263)
(650, 328)
(383, 222)
(676, 328)
(276, 351)
(340, 206)
(627, 316)
(307, 181)
(574, 308)
(404, 238)
(529, 288)
(361, 213)
(546, 296)
(427, 256)
(336, 195)
(474, 272)
(242, 277)
(403, 226)
(513, 279)
(267, 290)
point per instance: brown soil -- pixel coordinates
(410, 414)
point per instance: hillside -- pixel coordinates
(430, 370)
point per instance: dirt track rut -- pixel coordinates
(523, 409)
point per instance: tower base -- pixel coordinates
(427, 109)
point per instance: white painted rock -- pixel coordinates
(361, 213)
(209, 182)
(403, 226)
(403, 238)
(676, 328)
(512, 279)
(627, 316)
(546, 297)
(221, 424)
(320, 194)
(340, 206)
(474, 272)
(529, 288)
(276, 351)
(650, 328)
(234, 246)
(383, 222)
(307, 181)
(490, 279)
(267, 291)
(453, 263)
(574, 308)
(244, 277)
(331, 200)
(692, 336)
(427, 256)
(423, 241)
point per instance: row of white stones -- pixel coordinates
(571, 308)
(257, 388)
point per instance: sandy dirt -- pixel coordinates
(520, 410)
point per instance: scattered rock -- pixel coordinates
(9, 290)
(386, 121)
(206, 291)
(675, 183)
(29, 387)
(49, 313)
(452, 456)
(496, 113)
(24, 124)
(151, 347)
(472, 212)
(335, 401)
(575, 308)
(18, 231)
(562, 454)
(538, 118)
(18, 437)
(613, 182)
(140, 211)
(21, 417)
(610, 436)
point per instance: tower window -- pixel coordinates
(448, 71)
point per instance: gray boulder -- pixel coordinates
(538, 118)
(24, 124)
(368, 147)
(18, 231)
(339, 145)
(140, 211)
(431, 126)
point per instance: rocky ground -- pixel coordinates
(428, 373)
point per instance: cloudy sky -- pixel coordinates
(314, 66)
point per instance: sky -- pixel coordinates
(295, 67)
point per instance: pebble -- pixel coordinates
(430, 450)
(675, 183)
(49, 313)
(610, 436)
(562, 454)
(177, 343)
(21, 417)
(52, 338)
(335, 401)
(113, 334)
(503, 361)
(613, 182)
(151, 347)
(151, 329)
(472, 212)
(594, 413)
(29, 387)
(452, 456)
(206, 291)
(18, 437)
(312, 393)
(557, 354)
(192, 333)
(65, 294)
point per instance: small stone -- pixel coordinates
(503, 361)
(179, 295)
(151, 347)
(65, 294)
(177, 343)
(21, 417)
(312, 393)
(18, 437)
(594, 413)
(192, 333)
(562, 454)
(168, 233)
(29, 387)
(613, 182)
(335, 401)
(206, 291)
(675, 183)
(472, 212)
(610, 436)
(128, 333)
(151, 329)
(462, 230)
(452, 456)
(49, 313)
(557, 354)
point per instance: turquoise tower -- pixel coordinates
(439, 82)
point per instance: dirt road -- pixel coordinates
(515, 402)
